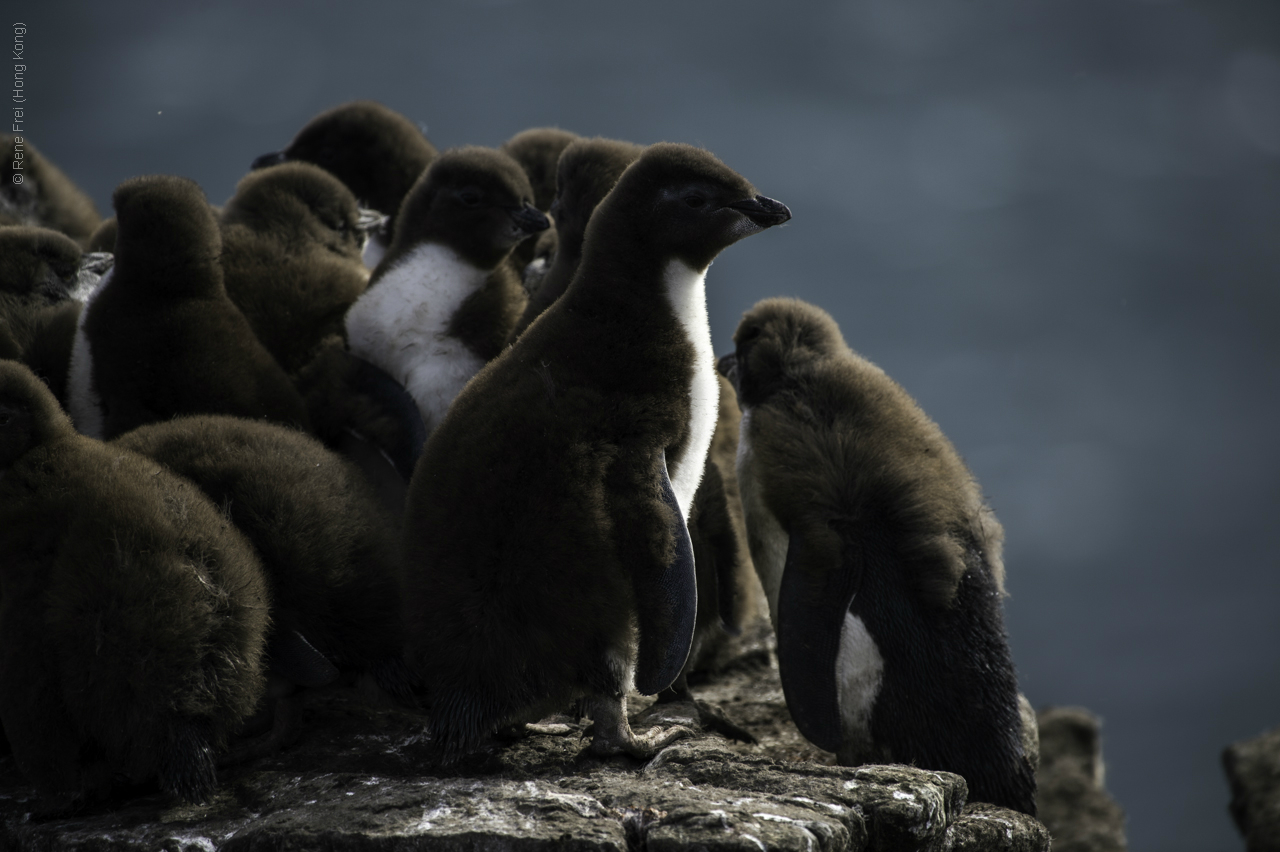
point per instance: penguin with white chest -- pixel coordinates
(441, 303)
(546, 553)
(880, 560)
(159, 337)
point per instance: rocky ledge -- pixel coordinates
(362, 777)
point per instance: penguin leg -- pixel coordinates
(613, 735)
(187, 769)
(279, 717)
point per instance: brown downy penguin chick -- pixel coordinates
(374, 150)
(291, 242)
(159, 337)
(588, 169)
(881, 562)
(132, 614)
(329, 552)
(537, 150)
(43, 276)
(441, 303)
(46, 197)
(546, 553)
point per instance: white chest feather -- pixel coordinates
(83, 403)
(859, 672)
(401, 324)
(374, 249)
(686, 289)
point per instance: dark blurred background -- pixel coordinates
(1055, 222)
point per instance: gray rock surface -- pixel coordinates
(1253, 770)
(363, 777)
(1071, 799)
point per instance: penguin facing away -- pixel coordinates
(159, 337)
(880, 560)
(329, 553)
(374, 150)
(441, 303)
(132, 614)
(587, 170)
(291, 242)
(46, 197)
(517, 604)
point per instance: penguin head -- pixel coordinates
(300, 205)
(776, 340)
(374, 150)
(587, 171)
(537, 150)
(687, 204)
(29, 413)
(38, 267)
(165, 225)
(477, 201)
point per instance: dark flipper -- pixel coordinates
(296, 660)
(813, 599)
(405, 446)
(667, 607)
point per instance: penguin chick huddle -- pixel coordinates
(449, 425)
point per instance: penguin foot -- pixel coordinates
(710, 716)
(612, 734)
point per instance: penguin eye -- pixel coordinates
(695, 201)
(751, 333)
(469, 196)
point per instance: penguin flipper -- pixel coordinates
(386, 394)
(813, 598)
(295, 659)
(667, 607)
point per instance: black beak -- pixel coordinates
(529, 219)
(765, 212)
(275, 158)
(371, 221)
(727, 366)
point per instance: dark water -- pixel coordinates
(1055, 222)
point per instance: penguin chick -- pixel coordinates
(544, 251)
(291, 242)
(46, 197)
(104, 236)
(329, 553)
(441, 303)
(159, 337)
(587, 170)
(132, 614)
(881, 563)
(537, 150)
(42, 272)
(374, 150)
(546, 552)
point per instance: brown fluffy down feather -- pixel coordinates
(132, 613)
(329, 552)
(801, 362)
